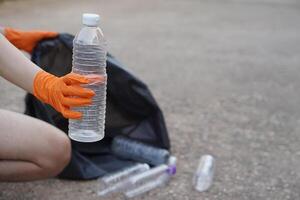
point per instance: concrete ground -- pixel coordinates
(226, 74)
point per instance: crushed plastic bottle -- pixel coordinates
(161, 181)
(131, 149)
(144, 178)
(203, 177)
(89, 58)
(134, 181)
(113, 178)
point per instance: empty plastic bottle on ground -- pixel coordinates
(162, 180)
(203, 177)
(142, 182)
(113, 178)
(89, 58)
(131, 149)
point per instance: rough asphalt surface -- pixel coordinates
(225, 73)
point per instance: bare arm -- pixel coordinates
(15, 67)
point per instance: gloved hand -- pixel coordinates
(64, 92)
(26, 40)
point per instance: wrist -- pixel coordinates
(41, 85)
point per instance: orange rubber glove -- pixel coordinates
(26, 40)
(63, 92)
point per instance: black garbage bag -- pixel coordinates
(131, 111)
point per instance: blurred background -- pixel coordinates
(225, 73)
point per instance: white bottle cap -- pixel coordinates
(172, 160)
(90, 19)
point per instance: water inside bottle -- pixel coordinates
(90, 60)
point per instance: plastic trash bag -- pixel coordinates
(131, 111)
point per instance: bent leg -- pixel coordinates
(30, 149)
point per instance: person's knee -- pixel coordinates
(62, 155)
(58, 155)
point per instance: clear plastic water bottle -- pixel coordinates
(111, 179)
(161, 181)
(131, 149)
(148, 180)
(89, 58)
(203, 177)
(151, 185)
